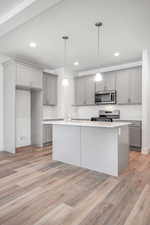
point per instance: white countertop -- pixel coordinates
(89, 123)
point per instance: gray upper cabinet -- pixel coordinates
(80, 91)
(122, 85)
(90, 90)
(135, 85)
(129, 86)
(127, 83)
(100, 86)
(84, 90)
(28, 77)
(49, 89)
(108, 82)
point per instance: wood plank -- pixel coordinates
(34, 190)
(140, 215)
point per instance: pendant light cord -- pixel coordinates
(98, 25)
(98, 43)
(65, 38)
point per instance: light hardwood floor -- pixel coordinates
(34, 190)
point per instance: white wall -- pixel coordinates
(23, 118)
(50, 112)
(146, 102)
(1, 108)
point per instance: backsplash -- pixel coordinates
(127, 112)
(49, 112)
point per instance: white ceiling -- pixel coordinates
(126, 29)
(7, 5)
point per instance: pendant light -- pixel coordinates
(65, 81)
(98, 76)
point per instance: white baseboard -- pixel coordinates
(145, 151)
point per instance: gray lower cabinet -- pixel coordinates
(135, 134)
(135, 131)
(85, 90)
(129, 86)
(47, 134)
(49, 89)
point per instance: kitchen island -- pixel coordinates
(99, 146)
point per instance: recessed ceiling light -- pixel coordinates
(33, 45)
(116, 54)
(76, 63)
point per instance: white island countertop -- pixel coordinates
(88, 123)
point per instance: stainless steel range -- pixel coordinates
(107, 116)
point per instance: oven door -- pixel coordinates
(105, 98)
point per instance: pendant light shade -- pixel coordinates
(65, 81)
(98, 76)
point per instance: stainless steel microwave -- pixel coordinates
(105, 97)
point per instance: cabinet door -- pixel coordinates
(110, 81)
(100, 85)
(49, 133)
(51, 90)
(122, 85)
(23, 76)
(135, 84)
(44, 90)
(28, 77)
(90, 90)
(36, 78)
(44, 134)
(80, 91)
(135, 136)
(66, 144)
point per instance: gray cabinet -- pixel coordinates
(80, 91)
(108, 82)
(129, 86)
(122, 85)
(28, 77)
(49, 89)
(135, 134)
(47, 134)
(135, 131)
(84, 90)
(135, 85)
